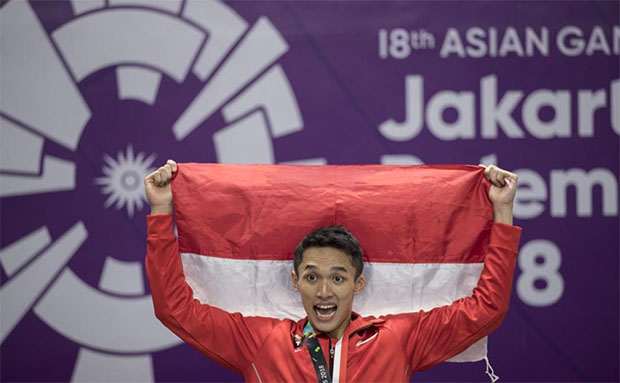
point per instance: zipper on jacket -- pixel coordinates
(331, 358)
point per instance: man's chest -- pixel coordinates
(368, 356)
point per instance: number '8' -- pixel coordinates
(399, 43)
(547, 271)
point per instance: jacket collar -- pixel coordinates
(356, 324)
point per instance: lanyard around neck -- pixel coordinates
(316, 355)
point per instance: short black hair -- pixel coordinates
(337, 237)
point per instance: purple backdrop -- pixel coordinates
(531, 86)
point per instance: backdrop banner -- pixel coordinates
(94, 94)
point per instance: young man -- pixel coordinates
(332, 343)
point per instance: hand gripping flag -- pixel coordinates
(423, 229)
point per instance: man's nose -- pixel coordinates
(325, 290)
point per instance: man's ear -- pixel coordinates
(359, 285)
(295, 280)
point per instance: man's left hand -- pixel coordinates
(502, 192)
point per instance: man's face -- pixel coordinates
(327, 284)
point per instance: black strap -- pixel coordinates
(318, 360)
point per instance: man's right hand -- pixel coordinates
(158, 191)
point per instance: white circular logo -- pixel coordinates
(61, 142)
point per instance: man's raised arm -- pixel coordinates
(431, 337)
(230, 339)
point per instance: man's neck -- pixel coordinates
(339, 332)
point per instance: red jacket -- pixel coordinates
(387, 348)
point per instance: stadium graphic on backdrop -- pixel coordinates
(44, 114)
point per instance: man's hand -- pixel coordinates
(502, 193)
(158, 191)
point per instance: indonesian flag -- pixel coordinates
(423, 230)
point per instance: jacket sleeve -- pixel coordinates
(231, 340)
(430, 338)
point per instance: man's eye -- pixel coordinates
(338, 279)
(311, 277)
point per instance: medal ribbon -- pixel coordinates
(316, 355)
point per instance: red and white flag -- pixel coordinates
(423, 230)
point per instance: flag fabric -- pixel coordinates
(423, 230)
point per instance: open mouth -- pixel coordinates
(325, 311)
